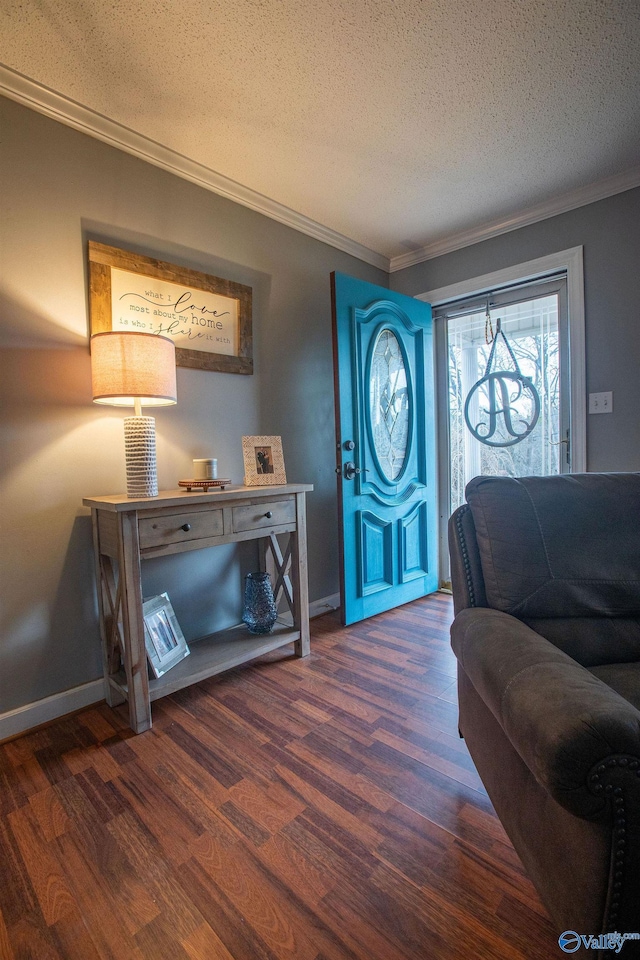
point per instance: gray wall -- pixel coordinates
(609, 231)
(60, 188)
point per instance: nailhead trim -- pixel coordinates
(620, 828)
(465, 557)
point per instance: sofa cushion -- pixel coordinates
(624, 678)
(591, 640)
(561, 546)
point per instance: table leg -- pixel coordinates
(135, 657)
(299, 578)
(112, 697)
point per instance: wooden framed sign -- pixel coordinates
(208, 319)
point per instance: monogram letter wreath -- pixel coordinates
(501, 391)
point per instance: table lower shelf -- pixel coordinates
(212, 655)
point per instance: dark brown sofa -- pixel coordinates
(546, 588)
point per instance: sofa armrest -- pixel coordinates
(564, 722)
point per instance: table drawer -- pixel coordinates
(259, 515)
(180, 527)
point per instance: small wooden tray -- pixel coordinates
(203, 484)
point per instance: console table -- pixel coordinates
(125, 532)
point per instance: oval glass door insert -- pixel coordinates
(389, 404)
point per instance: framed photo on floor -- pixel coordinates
(164, 640)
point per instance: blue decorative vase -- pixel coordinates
(259, 604)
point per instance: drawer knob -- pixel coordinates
(268, 514)
(186, 527)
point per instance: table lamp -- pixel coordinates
(135, 369)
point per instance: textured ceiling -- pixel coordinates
(394, 122)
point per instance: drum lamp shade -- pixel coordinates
(128, 366)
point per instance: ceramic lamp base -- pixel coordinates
(140, 456)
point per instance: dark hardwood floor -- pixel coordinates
(314, 809)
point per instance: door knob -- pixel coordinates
(350, 470)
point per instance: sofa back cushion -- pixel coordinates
(592, 641)
(561, 546)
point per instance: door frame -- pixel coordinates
(570, 260)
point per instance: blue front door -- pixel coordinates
(385, 433)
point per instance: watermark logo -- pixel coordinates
(570, 941)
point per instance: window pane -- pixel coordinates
(531, 328)
(389, 404)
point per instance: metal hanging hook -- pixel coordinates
(488, 327)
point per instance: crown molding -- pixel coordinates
(42, 99)
(549, 208)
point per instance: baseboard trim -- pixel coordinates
(316, 609)
(324, 605)
(22, 719)
(13, 723)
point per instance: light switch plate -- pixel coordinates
(601, 402)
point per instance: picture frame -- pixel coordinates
(208, 318)
(164, 641)
(263, 461)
